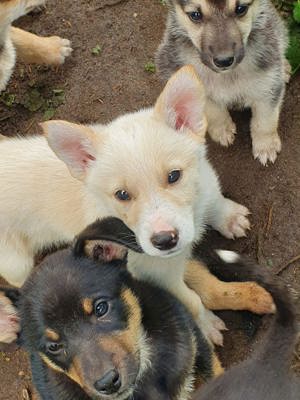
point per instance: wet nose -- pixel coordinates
(165, 240)
(223, 62)
(110, 383)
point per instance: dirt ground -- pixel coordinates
(99, 87)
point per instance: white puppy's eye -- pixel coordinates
(122, 195)
(174, 176)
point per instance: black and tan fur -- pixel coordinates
(238, 48)
(147, 336)
(29, 48)
(266, 375)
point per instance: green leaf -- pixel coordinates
(33, 100)
(296, 12)
(8, 99)
(96, 51)
(150, 67)
(293, 52)
(48, 114)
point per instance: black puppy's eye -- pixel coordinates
(195, 16)
(241, 10)
(54, 348)
(122, 195)
(100, 308)
(174, 176)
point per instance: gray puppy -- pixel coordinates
(238, 48)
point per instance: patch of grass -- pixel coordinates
(97, 50)
(150, 67)
(290, 10)
(36, 100)
(7, 99)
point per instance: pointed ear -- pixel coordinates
(74, 144)
(181, 103)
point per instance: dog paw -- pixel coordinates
(33, 4)
(234, 222)
(223, 134)
(260, 301)
(9, 321)
(266, 148)
(59, 49)
(211, 327)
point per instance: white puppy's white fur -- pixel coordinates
(43, 204)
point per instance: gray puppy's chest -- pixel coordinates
(238, 88)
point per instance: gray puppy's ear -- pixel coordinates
(111, 237)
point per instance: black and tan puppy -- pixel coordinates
(93, 332)
(266, 375)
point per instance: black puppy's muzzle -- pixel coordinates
(110, 383)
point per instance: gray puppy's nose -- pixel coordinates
(223, 62)
(165, 240)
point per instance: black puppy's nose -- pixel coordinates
(165, 240)
(110, 383)
(223, 62)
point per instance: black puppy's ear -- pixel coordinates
(112, 238)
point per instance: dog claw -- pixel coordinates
(211, 326)
(261, 302)
(235, 223)
(225, 134)
(267, 148)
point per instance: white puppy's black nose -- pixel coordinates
(165, 240)
(223, 62)
(110, 383)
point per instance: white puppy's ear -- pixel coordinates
(74, 144)
(181, 103)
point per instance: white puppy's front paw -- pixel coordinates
(233, 222)
(266, 147)
(9, 321)
(211, 327)
(223, 133)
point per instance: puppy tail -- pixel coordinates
(281, 338)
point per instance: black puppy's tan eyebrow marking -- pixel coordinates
(87, 305)
(51, 334)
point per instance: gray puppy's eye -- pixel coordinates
(195, 16)
(241, 10)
